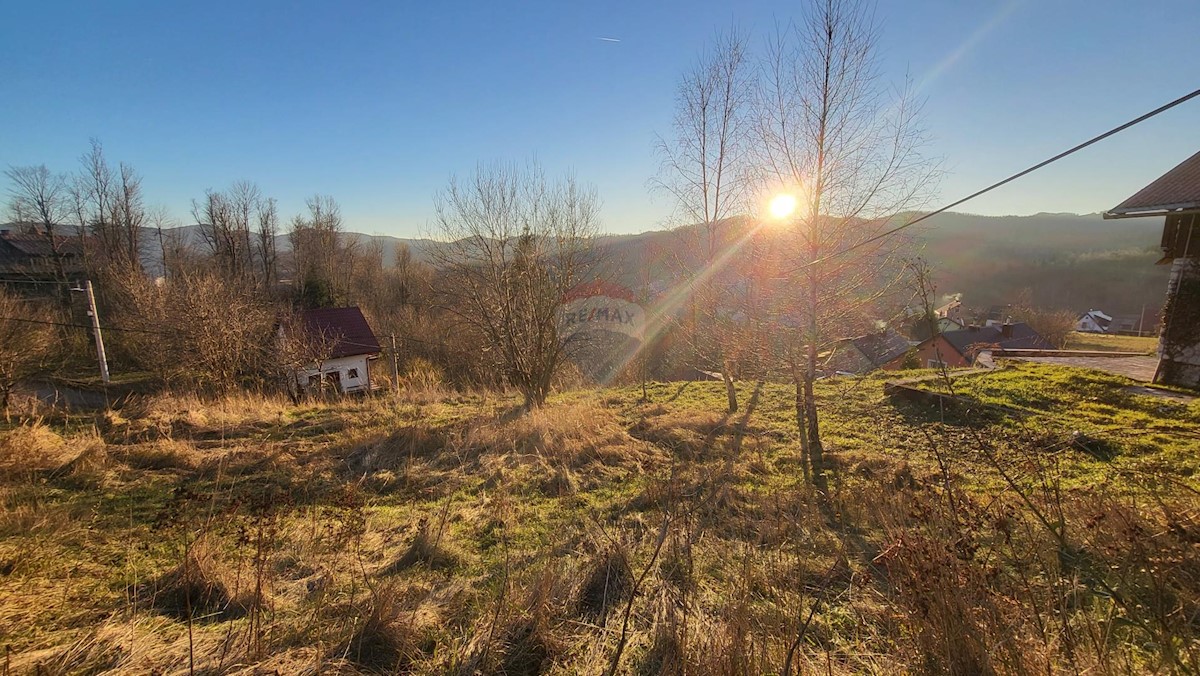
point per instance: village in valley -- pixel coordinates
(787, 405)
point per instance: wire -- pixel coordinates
(33, 281)
(81, 326)
(1039, 165)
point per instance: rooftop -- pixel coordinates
(1022, 336)
(1175, 192)
(348, 328)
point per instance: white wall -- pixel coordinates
(343, 366)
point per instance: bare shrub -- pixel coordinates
(206, 332)
(512, 246)
(1056, 326)
(25, 344)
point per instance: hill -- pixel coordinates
(1067, 261)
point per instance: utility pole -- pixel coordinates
(395, 368)
(91, 300)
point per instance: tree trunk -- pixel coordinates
(730, 390)
(801, 427)
(816, 452)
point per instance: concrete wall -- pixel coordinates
(1179, 341)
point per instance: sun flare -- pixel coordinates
(782, 206)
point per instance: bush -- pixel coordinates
(422, 374)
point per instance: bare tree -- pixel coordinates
(210, 332)
(704, 169)
(172, 248)
(128, 217)
(238, 227)
(322, 258)
(266, 251)
(829, 131)
(511, 245)
(108, 204)
(40, 199)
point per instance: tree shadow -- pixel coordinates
(679, 392)
(739, 429)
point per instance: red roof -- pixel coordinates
(1176, 191)
(346, 325)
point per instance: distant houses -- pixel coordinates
(1093, 321)
(1175, 196)
(36, 260)
(883, 349)
(957, 349)
(952, 311)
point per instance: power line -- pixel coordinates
(80, 326)
(1039, 165)
(34, 281)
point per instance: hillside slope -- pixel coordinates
(1066, 261)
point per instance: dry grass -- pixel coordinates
(31, 447)
(458, 534)
(199, 587)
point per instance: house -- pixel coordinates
(1175, 196)
(29, 255)
(956, 349)
(879, 350)
(347, 348)
(1093, 321)
(1130, 325)
(953, 311)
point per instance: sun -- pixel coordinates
(782, 206)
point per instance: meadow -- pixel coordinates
(1044, 520)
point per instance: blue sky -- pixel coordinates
(378, 104)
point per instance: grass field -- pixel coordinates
(1049, 524)
(1079, 340)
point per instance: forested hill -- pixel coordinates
(1067, 261)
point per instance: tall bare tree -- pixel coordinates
(40, 199)
(322, 257)
(512, 244)
(829, 131)
(704, 169)
(238, 228)
(108, 205)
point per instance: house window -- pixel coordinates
(352, 373)
(935, 364)
(314, 381)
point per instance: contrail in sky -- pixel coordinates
(609, 39)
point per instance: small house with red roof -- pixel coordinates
(345, 348)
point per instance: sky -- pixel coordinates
(379, 103)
